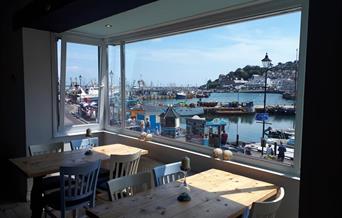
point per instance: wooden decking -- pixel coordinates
(22, 209)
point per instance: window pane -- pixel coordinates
(114, 86)
(81, 84)
(195, 86)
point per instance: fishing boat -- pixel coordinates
(289, 96)
(236, 108)
(202, 95)
(207, 104)
(279, 133)
(180, 95)
(286, 136)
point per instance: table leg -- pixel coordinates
(37, 201)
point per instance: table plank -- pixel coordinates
(215, 193)
(42, 165)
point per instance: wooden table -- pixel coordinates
(214, 193)
(42, 165)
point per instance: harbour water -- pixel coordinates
(248, 128)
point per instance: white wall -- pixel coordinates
(38, 88)
(37, 80)
(167, 154)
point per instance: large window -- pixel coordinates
(199, 89)
(209, 87)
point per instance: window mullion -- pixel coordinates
(103, 75)
(62, 84)
(123, 84)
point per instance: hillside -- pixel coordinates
(248, 71)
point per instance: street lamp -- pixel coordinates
(80, 77)
(111, 83)
(266, 62)
(237, 124)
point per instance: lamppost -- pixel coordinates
(80, 77)
(237, 124)
(266, 62)
(111, 83)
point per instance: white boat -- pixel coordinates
(180, 95)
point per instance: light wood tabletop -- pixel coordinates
(214, 193)
(42, 165)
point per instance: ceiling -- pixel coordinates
(114, 19)
(62, 15)
(156, 14)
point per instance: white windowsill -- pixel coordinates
(289, 176)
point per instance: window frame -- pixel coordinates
(223, 17)
(219, 19)
(58, 107)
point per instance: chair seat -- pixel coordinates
(51, 182)
(53, 200)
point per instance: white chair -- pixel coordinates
(120, 165)
(265, 209)
(126, 186)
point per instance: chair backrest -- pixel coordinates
(78, 185)
(267, 209)
(123, 165)
(126, 186)
(84, 143)
(167, 173)
(46, 148)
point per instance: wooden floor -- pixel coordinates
(22, 209)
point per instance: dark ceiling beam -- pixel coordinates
(62, 15)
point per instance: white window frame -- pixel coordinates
(264, 9)
(259, 9)
(61, 130)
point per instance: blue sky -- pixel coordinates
(193, 58)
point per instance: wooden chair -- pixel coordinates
(78, 188)
(46, 148)
(84, 143)
(167, 173)
(49, 181)
(121, 165)
(265, 209)
(126, 186)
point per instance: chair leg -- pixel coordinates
(74, 213)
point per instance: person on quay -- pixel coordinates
(224, 138)
(281, 152)
(269, 150)
(147, 125)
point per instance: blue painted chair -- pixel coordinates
(167, 173)
(77, 190)
(88, 143)
(84, 143)
(265, 209)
